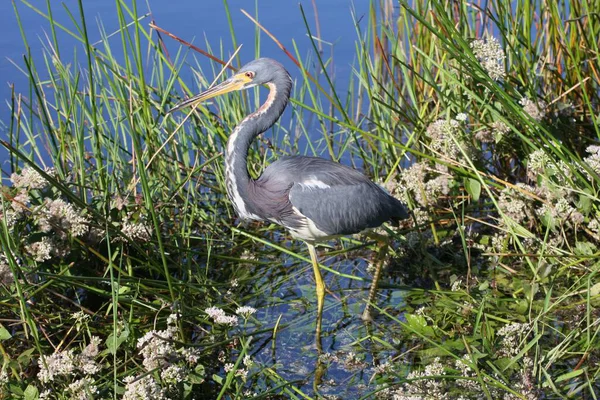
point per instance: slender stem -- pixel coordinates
(383, 246)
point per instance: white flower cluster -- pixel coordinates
(241, 372)
(553, 173)
(160, 354)
(593, 160)
(425, 184)
(58, 214)
(421, 388)
(514, 204)
(465, 370)
(444, 135)
(136, 231)
(30, 179)
(513, 336)
(66, 363)
(144, 388)
(219, 316)
(245, 311)
(42, 250)
(494, 134)
(431, 385)
(553, 188)
(8, 216)
(47, 248)
(83, 389)
(536, 110)
(353, 363)
(3, 377)
(490, 55)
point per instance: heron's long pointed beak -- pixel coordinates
(236, 82)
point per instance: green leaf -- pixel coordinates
(112, 343)
(217, 379)
(418, 324)
(198, 375)
(25, 357)
(473, 187)
(569, 375)
(31, 393)
(585, 249)
(595, 290)
(4, 334)
(585, 201)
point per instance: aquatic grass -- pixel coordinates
(501, 249)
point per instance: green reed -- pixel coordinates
(496, 271)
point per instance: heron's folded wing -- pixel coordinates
(341, 209)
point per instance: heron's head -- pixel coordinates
(257, 72)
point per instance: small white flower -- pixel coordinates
(245, 311)
(456, 285)
(227, 320)
(83, 389)
(143, 388)
(243, 373)
(58, 214)
(248, 361)
(228, 367)
(219, 316)
(29, 178)
(136, 231)
(172, 319)
(42, 250)
(58, 364)
(214, 312)
(490, 55)
(461, 117)
(3, 377)
(173, 373)
(536, 110)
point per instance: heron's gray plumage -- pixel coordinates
(314, 198)
(339, 200)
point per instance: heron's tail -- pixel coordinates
(399, 212)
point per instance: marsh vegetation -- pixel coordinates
(124, 272)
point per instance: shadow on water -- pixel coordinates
(283, 289)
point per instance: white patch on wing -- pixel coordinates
(308, 230)
(313, 183)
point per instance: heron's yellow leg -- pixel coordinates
(320, 290)
(381, 254)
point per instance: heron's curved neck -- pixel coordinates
(236, 169)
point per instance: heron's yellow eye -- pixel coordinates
(249, 75)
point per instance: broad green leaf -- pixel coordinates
(31, 393)
(4, 334)
(113, 343)
(473, 187)
(595, 290)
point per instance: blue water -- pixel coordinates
(192, 20)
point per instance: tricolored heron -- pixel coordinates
(314, 198)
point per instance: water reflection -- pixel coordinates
(284, 290)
